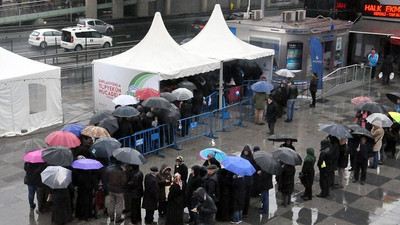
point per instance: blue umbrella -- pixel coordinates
(218, 154)
(262, 86)
(238, 165)
(74, 128)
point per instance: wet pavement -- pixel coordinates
(376, 202)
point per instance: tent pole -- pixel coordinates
(272, 66)
(221, 84)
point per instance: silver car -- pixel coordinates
(96, 24)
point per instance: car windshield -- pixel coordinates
(35, 33)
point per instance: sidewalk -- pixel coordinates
(376, 202)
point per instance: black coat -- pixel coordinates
(272, 112)
(313, 84)
(239, 193)
(186, 109)
(225, 198)
(308, 173)
(362, 155)
(136, 124)
(163, 180)
(264, 181)
(211, 186)
(292, 91)
(353, 145)
(286, 179)
(87, 183)
(33, 170)
(206, 207)
(135, 183)
(212, 161)
(182, 170)
(197, 102)
(125, 129)
(288, 146)
(151, 192)
(61, 208)
(325, 156)
(194, 182)
(343, 156)
(176, 203)
(334, 155)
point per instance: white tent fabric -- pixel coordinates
(30, 94)
(218, 42)
(159, 53)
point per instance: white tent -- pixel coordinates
(156, 57)
(30, 94)
(218, 42)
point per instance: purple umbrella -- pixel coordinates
(86, 164)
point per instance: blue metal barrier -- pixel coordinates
(211, 103)
(194, 127)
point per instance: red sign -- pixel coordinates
(109, 88)
(340, 5)
(382, 10)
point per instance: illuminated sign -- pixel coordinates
(341, 5)
(382, 10)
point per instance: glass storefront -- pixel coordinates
(294, 56)
(268, 43)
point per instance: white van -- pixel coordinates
(78, 38)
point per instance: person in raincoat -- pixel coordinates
(307, 174)
(205, 208)
(176, 202)
(164, 182)
(286, 183)
(259, 99)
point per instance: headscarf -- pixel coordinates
(310, 155)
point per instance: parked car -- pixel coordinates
(96, 24)
(78, 38)
(235, 16)
(45, 37)
(198, 25)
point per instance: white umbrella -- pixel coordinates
(379, 119)
(56, 177)
(125, 100)
(285, 73)
(182, 94)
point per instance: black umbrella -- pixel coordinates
(169, 96)
(187, 84)
(336, 130)
(357, 130)
(282, 138)
(129, 155)
(157, 102)
(99, 116)
(125, 111)
(372, 107)
(171, 115)
(287, 156)
(32, 144)
(393, 97)
(104, 146)
(58, 156)
(388, 108)
(267, 162)
(110, 124)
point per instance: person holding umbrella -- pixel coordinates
(286, 183)
(307, 174)
(33, 181)
(211, 161)
(361, 160)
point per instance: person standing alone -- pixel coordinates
(292, 95)
(373, 58)
(313, 88)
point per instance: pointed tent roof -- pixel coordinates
(218, 42)
(157, 52)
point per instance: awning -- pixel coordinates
(376, 27)
(395, 39)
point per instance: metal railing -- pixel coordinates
(357, 72)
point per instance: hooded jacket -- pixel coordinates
(163, 180)
(206, 207)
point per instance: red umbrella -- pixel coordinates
(63, 138)
(395, 39)
(146, 93)
(360, 99)
(34, 156)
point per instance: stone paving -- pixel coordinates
(376, 202)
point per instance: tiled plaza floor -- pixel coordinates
(376, 202)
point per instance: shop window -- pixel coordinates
(294, 56)
(268, 43)
(37, 98)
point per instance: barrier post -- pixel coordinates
(175, 135)
(240, 124)
(211, 134)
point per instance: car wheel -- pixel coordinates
(43, 45)
(109, 31)
(78, 48)
(106, 45)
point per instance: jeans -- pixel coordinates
(265, 201)
(376, 159)
(271, 127)
(31, 196)
(237, 215)
(290, 108)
